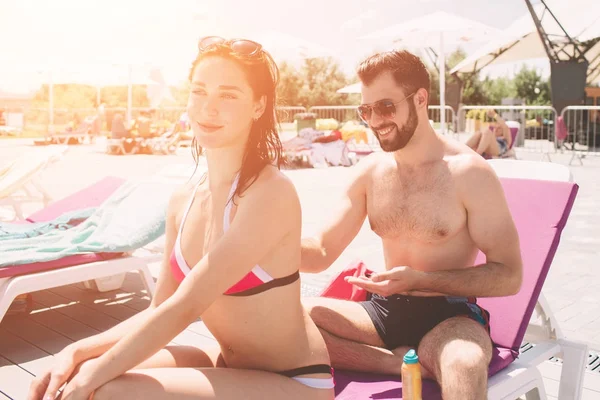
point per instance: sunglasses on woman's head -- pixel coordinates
(242, 47)
(384, 108)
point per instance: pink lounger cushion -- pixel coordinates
(69, 261)
(355, 385)
(91, 196)
(540, 210)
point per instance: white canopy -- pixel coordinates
(283, 46)
(436, 30)
(521, 41)
(351, 89)
(425, 31)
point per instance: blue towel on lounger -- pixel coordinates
(131, 218)
(11, 230)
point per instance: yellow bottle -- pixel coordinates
(411, 377)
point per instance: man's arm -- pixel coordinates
(492, 229)
(321, 250)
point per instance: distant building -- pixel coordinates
(12, 108)
(592, 96)
(12, 100)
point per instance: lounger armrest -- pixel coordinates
(547, 326)
(520, 376)
(574, 356)
(539, 353)
(514, 381)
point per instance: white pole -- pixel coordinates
(50, 103)
(442, 69)
(129, 95)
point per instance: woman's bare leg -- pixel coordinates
(208, 383)
(473, 141)
(185, 356)
(488, 144)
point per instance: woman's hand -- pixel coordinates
(46, 385)
(80, 387)
(75, 391)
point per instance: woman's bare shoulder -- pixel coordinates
(179, 197)
(273, 185)
(274, 179)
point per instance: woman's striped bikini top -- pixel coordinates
(256, 281)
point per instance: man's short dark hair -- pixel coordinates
(408, 70)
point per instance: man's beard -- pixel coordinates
(399, 137)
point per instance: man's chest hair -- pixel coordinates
(423, 204)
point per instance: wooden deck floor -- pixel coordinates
(61, 316)
(69, 313)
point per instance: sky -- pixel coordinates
(38, 35)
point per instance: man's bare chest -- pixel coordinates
(424, 207)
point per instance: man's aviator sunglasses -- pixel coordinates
(243, 47)
(384, 108)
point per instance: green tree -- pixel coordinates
(434, 87)
(473, 91)
(321, 78)
(66, 96)
(453, 83)
(455, 57)
(180, 95)
(116, 96)
(83, 96)
(290, 83)
(497, 89)
(530, 86)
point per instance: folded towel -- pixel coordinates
(9, 230)
(130, 219)
(335, 153)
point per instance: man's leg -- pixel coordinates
(458, 352)
(352, 340)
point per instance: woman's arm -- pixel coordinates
(97, 345)
(267, 213)
(505, 129)
(75, 354)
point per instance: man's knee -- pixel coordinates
(463, 370)
(310, 304)
(458, 345)
(324, 310)
(464, 357)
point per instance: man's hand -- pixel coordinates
(398, 280)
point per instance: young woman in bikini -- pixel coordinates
(232, 258)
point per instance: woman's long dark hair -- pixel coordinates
(263, 146)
